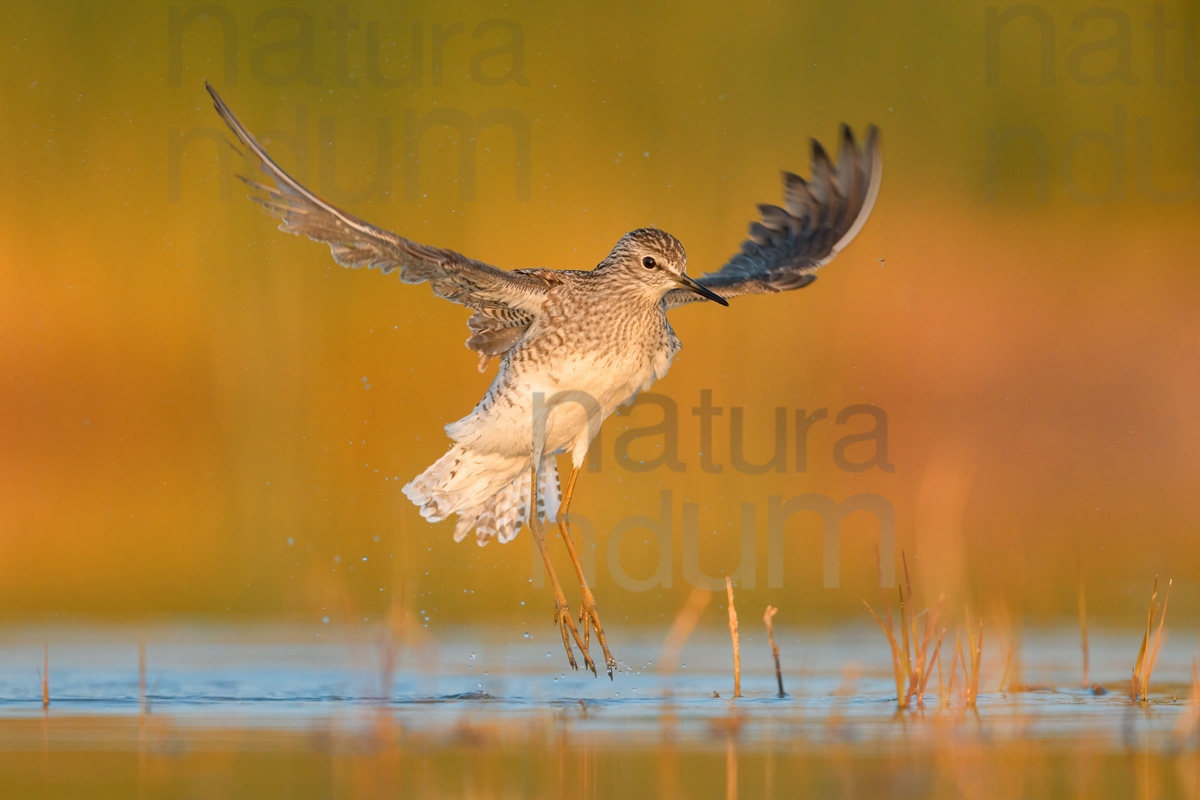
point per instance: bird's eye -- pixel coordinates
(649, 263)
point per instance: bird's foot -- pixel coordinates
(589, 617)
(562, 618)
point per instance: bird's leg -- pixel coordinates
(562, 614)
(589, 616)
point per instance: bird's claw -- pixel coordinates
(589, 617)
(562, 618)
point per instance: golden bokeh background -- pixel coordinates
(206, 418)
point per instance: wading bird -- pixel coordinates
(574, 345)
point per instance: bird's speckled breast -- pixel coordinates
(588, 353)
(610, 350)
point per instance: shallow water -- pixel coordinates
(319, 696)
(299, 677)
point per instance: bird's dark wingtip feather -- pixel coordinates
(872, 139)
(818, 151)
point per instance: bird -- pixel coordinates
(573, 345)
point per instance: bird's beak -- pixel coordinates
(701, 290)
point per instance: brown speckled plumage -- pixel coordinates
(573, 345)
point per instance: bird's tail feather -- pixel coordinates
(489, 493)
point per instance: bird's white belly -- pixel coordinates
(560, 407)
(583, 391)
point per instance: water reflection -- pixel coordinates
(280, 712)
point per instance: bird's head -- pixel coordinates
(654, 262)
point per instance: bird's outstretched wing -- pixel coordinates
(494, 294)
(820, 217)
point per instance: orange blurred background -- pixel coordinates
(206, 418)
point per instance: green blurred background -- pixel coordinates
(206, 418)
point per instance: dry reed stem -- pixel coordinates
(930, 627)
(46, 676)
(733, 632)
(1158, 636)
(767, 616)
(903, 611)
(939, 666)
(975, 649)
(1083, 629)
(921, 676)
(897, 670)
(1147, 655)
(958, 658)
(1135, 684)
(918, 672)
(966, 675)
(978, 661)
(937, 654)
(142, 674)
(912, 662)
(953, 670)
